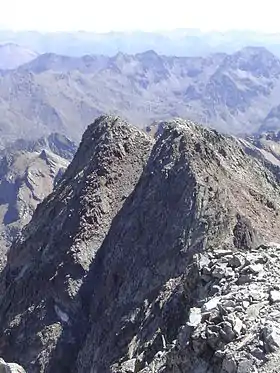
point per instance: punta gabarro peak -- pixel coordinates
(55, 251)
(151, 255)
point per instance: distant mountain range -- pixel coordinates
(180, 42)
(237, 93)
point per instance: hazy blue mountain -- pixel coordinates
(13, 55)
(181, 42)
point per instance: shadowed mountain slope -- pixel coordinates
(201, 197)
(101, 176)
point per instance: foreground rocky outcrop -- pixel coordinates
(28, 172)
(150, 257)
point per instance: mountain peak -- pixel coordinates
(149, 54)
(167, 224)
(13, 55)
(254, 50)
(102, 175)
(256, 60)
(129, 258)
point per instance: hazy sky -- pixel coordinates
(106, 15)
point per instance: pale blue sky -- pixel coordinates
(106, 15)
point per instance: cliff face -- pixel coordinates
(149, 258)
(46, 266)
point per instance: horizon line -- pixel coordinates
(131, 31)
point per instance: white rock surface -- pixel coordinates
(10, 367)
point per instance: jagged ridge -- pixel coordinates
(47, 265)
(199, 192)
(111, 267)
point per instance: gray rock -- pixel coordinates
(129, 366)
(216, 289)
(245, 304)
(244, 279)
(274, 296)
(10, 367)
(255, 268)
(258, 353)
(219, 271)
(222, 253)
(210, 305)
(271, 337)
(229, 273)
(195, 317)
(203, 262)
(227, 332)
(253, 310)
(229, 304)
(213, 340)
(237, 326)
(229, 365)
(246, 366)
(236, 261)
(206, 271)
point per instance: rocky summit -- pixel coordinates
(49, 263)
(151, 255)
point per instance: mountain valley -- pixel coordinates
(28, 172)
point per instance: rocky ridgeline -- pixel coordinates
(48, 264)
(199, 194)
(150, 256)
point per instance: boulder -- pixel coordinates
(271, 337)
(10, 367)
